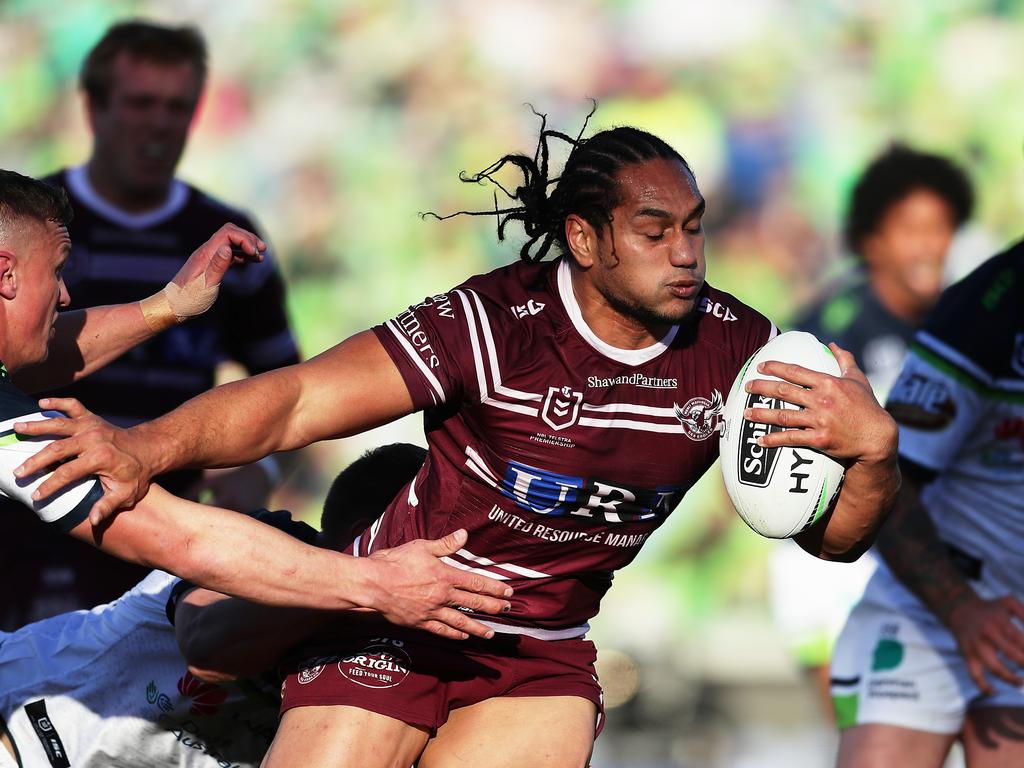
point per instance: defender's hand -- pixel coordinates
(91, 446)
(988, 637)
(838, 415)
(194, 289)
(415, 589)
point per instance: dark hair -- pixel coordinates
(362, 491)
(892, 176)
(587, 187)
(143, 40)
(25, 197)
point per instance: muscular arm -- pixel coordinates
(911, 548)
(88, 339)
(987, 631)
(84, 341)
(345, 390)
(231, 553)
(838, 415)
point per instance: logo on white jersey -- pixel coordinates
(701, 417)
(716, 309)
(561, 407)
(529, 308)
(920, 402)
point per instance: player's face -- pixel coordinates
(140, 134)
(651, 257)
(42, 248)
(907, 253)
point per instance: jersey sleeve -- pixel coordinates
(63, 510)
(435, 343)
(959, 362)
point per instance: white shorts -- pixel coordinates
(897, 668)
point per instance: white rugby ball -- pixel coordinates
(778, 492)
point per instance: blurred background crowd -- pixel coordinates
(337, 123)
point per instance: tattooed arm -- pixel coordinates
(983, 629)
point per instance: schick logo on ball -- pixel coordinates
(757, 463)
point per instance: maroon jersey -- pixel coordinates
(558, 453)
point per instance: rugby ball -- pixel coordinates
(779, 492)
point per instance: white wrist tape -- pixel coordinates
(175, 304)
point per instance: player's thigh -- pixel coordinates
(343, 737)
(515, 731)
(8, 754)
(994, 737)
(880, 746)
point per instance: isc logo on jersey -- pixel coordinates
(778, 492)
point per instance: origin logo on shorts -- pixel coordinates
(376, 666)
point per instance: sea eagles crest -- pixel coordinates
(561, 407)
(701, 417)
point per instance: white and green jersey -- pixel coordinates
(108, 688)
(65, 509)
(959, 402)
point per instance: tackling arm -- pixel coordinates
(234, 554)
(345, 390)
(984, 629)
(88, 339)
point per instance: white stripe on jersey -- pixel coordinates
(642, 426)
(643, 410)
(479, 467)
(492, 355)
(536, 632)
(438, 393)
(481, 362)
(516, 569)
(492, 569)
(960, 360)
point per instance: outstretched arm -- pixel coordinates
(345, 390)
(234, 554)
(984, 629)
(87, 339)
(840, 416)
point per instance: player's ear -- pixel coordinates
(8, 281)
(582, 240)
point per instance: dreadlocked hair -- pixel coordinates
(588, 186)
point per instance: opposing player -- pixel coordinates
(935, 647)
(904, 212)
(555, 441)
(210, 546)
(114, 687)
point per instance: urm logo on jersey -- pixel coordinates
(549, 493)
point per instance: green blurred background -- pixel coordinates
(337, 122)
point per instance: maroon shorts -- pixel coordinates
(418, 678)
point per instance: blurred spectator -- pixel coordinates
(903, 214)
(134, 225)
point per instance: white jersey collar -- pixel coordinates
(80, 186)
(626, 356)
